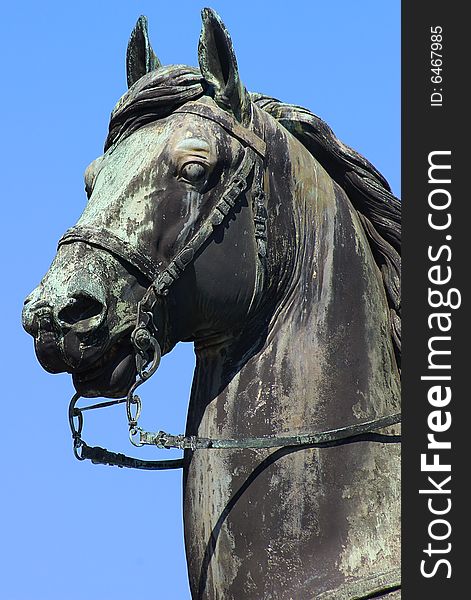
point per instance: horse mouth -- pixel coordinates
(110, 376)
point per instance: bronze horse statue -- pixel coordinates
(275, 248)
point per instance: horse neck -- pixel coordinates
(318, 354)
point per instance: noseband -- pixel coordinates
(144, 335)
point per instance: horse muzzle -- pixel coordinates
(68, 332)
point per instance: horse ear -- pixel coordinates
(140, 58)
(218, 65)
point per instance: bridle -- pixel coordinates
(144, 335)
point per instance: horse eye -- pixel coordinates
(193, 171)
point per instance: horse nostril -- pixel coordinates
(82, 313)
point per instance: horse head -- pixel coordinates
(178, 176)
(243, 224)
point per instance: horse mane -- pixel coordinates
(378, 209)
(157, 94)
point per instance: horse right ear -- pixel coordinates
(218, 64)
(140, 58)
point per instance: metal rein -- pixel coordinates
(163, 440)
(146, 343)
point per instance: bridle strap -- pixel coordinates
(233, 193)
(322, 439)
(165, 440)
(102, 456)
(222, 118)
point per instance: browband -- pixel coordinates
(249, 138)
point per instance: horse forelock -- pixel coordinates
(155, 96)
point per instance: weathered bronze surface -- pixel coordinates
(291, 295)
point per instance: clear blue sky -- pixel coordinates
(70, 530)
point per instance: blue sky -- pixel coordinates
(70, 530)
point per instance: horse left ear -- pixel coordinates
(218, 65)
(140, 58)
